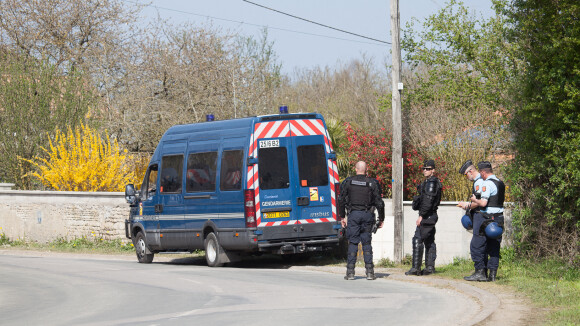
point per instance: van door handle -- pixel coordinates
(303, 201)
(158, 208)
(197, 197)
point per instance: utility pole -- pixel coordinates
(397, 161)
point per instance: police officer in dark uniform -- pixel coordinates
(485, 247)
(426, 202)
(360, 195)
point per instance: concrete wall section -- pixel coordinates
(45, 216)
(451, 238)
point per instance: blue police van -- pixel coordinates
(265, 184)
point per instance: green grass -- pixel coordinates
(93, 243)
(550, 283)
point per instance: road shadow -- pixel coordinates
(264, 261)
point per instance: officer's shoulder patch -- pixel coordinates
(483, 188)
(477, 188)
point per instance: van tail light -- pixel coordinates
(250, 208)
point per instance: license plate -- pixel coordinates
(276, 214)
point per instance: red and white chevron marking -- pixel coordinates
(290, 128)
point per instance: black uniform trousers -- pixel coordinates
(484, 251)
(358, 230)
(426, 234)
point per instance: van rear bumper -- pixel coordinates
(296, 246)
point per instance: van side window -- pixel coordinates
(273, 168)
(312, 165)
(201, 172)
(171, 174)
(231, 170)
(150, 184)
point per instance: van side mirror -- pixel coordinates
(252, 160)
(130, 194)
(332, 156)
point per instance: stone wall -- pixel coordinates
(45, 216)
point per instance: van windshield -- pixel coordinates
(273, 171)
(312, 165)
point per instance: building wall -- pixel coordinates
(45, 216)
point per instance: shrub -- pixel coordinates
(81, 160)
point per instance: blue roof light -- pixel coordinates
(283, 109)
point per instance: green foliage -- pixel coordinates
(35, 98)
(91, 243)
(546, 126)
(458, 59)
(386, 262)
(4, 240)
(456, 96)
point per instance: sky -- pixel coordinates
(303, 45)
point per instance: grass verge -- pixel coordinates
(550, 283)
(93, 243)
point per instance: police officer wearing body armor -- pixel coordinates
(426, 202)
(360, 195)
(470, 172)
(488, 223)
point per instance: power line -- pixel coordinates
(250, 24)
(313, 22)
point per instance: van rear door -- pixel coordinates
(312, 179)
(275, 172)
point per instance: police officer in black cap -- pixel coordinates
(485, 247)
(426, 202)
(360, 195)
(470, 172)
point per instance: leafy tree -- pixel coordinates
(81, 160)
(35, 99)
(545, 172)
(457, 76)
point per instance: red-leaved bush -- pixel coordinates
(376, 151)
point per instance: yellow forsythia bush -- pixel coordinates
(81, 160)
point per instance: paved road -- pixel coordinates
(91, 290)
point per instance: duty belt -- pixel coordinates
(488, 215)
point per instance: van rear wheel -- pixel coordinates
(213, 251)
(141, 249)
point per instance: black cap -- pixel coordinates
(429, 164)
(483, 165)
(465, 166)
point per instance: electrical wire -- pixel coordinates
(319, 24)
(256, 25)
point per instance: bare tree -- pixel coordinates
(179, 74)
(67, 33)
(348, 92)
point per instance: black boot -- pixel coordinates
(430, 255)
(478, 275)
(492, 275)
(349, 272)
(370, 272)
(417, 257)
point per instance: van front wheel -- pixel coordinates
(213, 251)
(141, 249)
